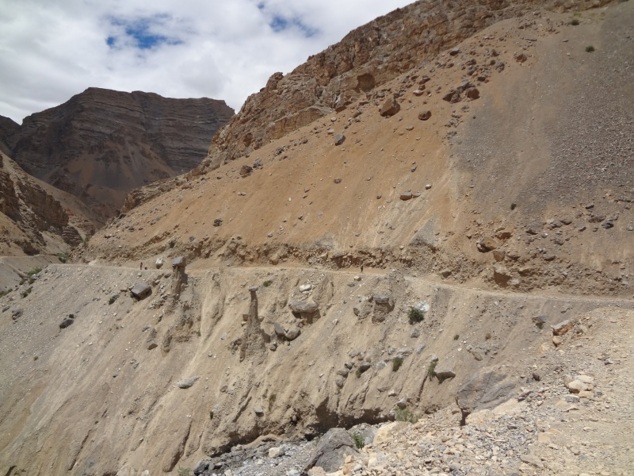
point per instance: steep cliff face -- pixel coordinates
(364, 60)
(8, 129)
(101, 144)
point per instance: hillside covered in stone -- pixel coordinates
(101, 144)
(443, 267)
(368, 57)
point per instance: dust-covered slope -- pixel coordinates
(99, 382)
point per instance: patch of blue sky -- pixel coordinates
(280, 23)
(141, 32)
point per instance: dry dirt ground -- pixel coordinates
(520, 218)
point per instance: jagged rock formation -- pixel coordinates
(365, 59)
(32, 220)
(101, 144)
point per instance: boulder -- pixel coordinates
(486, 389)
(486, 244)
(563, 327)
(140, 290)
(390, 107)
(305, 309)
(331, 452)
(383, 305)
(424, 116)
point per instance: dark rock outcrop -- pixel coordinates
(101, 144)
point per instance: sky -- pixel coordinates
(51, 50)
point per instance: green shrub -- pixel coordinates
(487, 336)
(113, 298)
(30, 276)
(62, 257)
(416, 315)
(33, 272)
(431, 369)
(403, 414)
(456, 337)
(267, 283)
(396, 363)
(359, 441)
(185, 472)
(589, 48)
(574, 22)
(358, 372)
(26, 292)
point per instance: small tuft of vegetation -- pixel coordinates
(63, 257)
(26, 292)
(404, 414)
(396, 363)
(487, 336)
(358, 372)
(456, 337)
(33, 272)
(574, 22)
(113, 298)
(30, 276)
(589, 49)
(211, 414)
(431, 369)
(513, 206)
(359, 441)
(416, 315)
(267, 283)
(185, 472)
(4, 292)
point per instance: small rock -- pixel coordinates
(424, 116)
(575, 386)
(276, 452)
(340, 139)
(563, 327)
(187, 383)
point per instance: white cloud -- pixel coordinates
(224, 49)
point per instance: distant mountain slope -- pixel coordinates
(101, 144)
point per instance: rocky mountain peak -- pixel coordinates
(101, 144)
